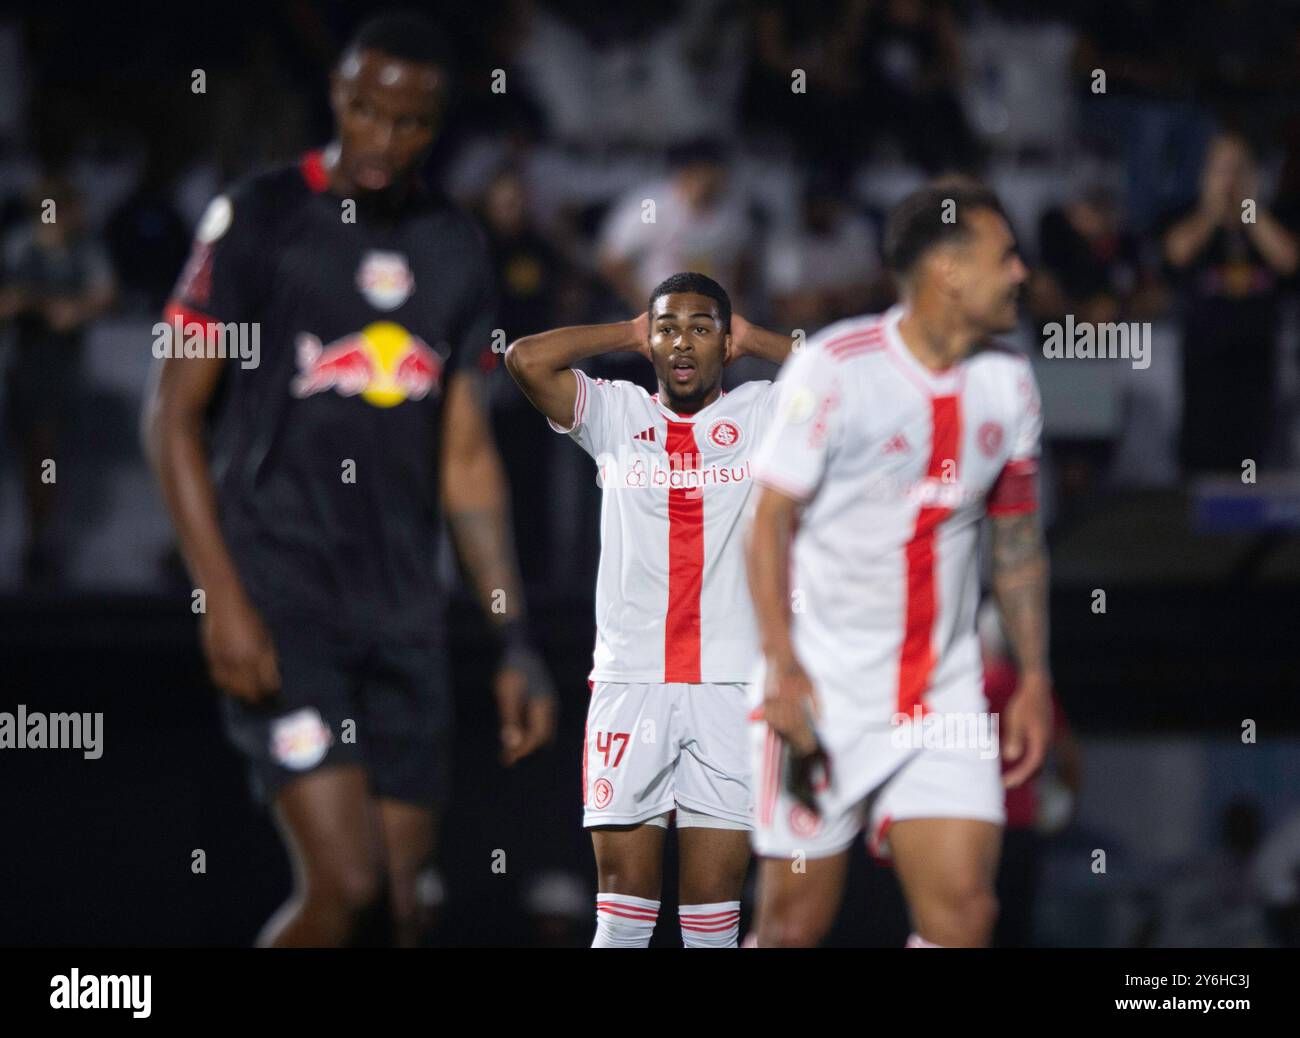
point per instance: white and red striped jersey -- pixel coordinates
(896, 464)
(672, 598)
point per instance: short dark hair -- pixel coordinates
(918, 223)
(700, 284)
(407, 35)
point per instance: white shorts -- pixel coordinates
(650, 748)
(877, 775)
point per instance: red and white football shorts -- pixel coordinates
(877, 775)
(654, 748)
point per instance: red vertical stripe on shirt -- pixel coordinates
(685, 560)
(917, 660)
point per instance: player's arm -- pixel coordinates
(476, 502)
(238, 647)
(750, 340)
(1020, 582)
(789, 693)
(542, 363)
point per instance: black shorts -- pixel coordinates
(384, 705)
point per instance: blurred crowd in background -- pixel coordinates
(1123, 137)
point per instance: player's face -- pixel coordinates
(989, 274)
(688, 345)
(387, 112)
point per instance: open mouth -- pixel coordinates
(682, 369)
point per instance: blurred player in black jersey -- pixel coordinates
(356, 303)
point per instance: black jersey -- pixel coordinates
(326, 450)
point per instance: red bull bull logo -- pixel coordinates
(385, 279)
(383, 363)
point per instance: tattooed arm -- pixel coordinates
(476, 501)
(1020, 586)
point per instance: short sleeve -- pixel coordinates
(1016, 490)
(598, 410)
(224, 279)
(807, 422)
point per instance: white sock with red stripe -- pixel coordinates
(710, 926)
(917, 941)
(624, 921)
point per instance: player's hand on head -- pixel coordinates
(740, 332)
(790, 703)
(239, 651)
(641, 332)
(1026, 729)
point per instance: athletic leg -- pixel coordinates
(329, 830)
(629, 871)
(798, 899)
(948, 869)
(409, 833)
(713, 867)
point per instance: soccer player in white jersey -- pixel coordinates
(675, 631)
(894, 436)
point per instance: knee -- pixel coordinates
(408, 909)
(631, 882)
(973, 911)
(352, 889)
(791, 929)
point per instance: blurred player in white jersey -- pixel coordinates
(895, 435)
(675, 633)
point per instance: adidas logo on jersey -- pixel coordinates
(896, 444)
(646, 434)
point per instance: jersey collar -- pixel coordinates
(673, 416)
(930, 382)
(317, 176)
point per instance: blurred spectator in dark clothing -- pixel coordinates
(1036, 809)
(1095, 270)
(913, 52)
(823, 113)
(824, 268)
(530, 280)
(148, 242)
(891, 68)
(1228, 268)
(1138, 82)
(57, 279)
(1092, 267)
(528, 268)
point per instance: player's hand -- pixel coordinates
(790, 703)
(639, 334)
(1027, 724)
(525, 703)
(741, 330)
(238, 647)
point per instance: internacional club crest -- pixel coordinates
(724, 433)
